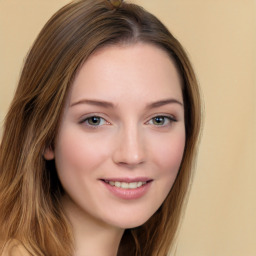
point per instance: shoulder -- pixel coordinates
(14, 248)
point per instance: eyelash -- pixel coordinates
(167, 118)
(86, 121)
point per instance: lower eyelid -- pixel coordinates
(170, 118)
(85, 120)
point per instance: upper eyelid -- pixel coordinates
(169, 118)
(84, 117)
(85, 121)
(174, 117)
(106, 118)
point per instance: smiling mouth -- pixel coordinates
(127, 185)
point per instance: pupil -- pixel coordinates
(94, 120)
(159, 120)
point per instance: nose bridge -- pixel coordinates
(130, 149)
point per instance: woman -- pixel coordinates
(100, 138)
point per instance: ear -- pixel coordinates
(49, 153)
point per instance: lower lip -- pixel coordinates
(128, 194)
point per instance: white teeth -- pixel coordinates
(117, 184)
(126, 185)
(133, 185)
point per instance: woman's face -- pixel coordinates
(122, 135)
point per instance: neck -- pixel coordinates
(91, 235)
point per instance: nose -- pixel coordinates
(130, 147)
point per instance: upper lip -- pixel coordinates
(128, 179)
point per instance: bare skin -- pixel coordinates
(120, 143)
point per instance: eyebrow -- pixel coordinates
(107, 104)
(99, 103)
(160, 103)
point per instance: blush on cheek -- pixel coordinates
(79, 153)
(170, 155)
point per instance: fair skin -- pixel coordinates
(120, 143)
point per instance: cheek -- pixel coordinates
(168, 156)
(78, 153)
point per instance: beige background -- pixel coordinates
(219, 36)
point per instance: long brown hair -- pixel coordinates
(30, 190)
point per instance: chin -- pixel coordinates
(131, 221)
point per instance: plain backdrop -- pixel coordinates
(220, 38)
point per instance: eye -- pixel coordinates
(94, 121)
(162, 120)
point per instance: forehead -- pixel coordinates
(122, 71)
